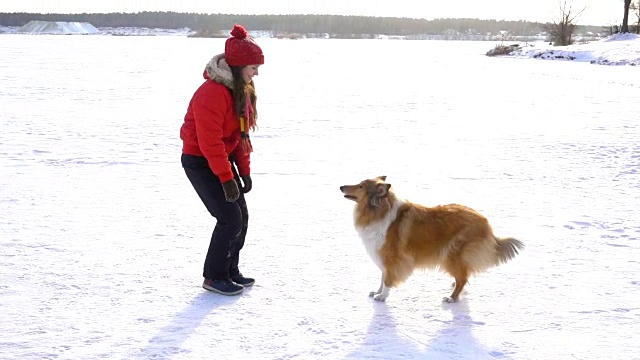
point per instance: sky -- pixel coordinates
(597, 12)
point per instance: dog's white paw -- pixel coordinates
(380, 297)
(373, 293)
(448, 299)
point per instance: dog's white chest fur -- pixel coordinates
(374, 235)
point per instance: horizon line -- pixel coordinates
(289, 14)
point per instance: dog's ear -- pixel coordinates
(382, 190)
(383, 177)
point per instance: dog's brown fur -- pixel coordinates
(454, 238)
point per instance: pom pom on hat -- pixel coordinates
(239, 32)
(242, 50)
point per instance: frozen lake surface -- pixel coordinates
(102, 238)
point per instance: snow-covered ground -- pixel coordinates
(85, 28)
(618, 49)
(57, 27)
(135, 31)
(50, 28)
(8, 29)
(102, 239)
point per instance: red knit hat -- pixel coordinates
(242, 50)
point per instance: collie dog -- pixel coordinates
(401, 237)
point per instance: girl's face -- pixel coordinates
(248, 72)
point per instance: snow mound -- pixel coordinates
(57, 27)
(617, 49)
(622, 37)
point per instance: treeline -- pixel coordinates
(318, 24)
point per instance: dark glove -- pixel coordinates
(246, 181)
(231, 192)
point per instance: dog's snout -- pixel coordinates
(342, 188)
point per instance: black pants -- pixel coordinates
(232, 218)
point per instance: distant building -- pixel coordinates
(57, 27)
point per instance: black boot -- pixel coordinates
(224, 287)
(244, 281)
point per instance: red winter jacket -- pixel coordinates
(211, 129)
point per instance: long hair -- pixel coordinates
(241, 92)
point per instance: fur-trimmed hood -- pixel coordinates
(219, 71)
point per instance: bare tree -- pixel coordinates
(635, 7)
(625, 18)
(561, 30)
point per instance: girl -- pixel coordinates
(215, 136)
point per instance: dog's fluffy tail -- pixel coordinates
(508, 248)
